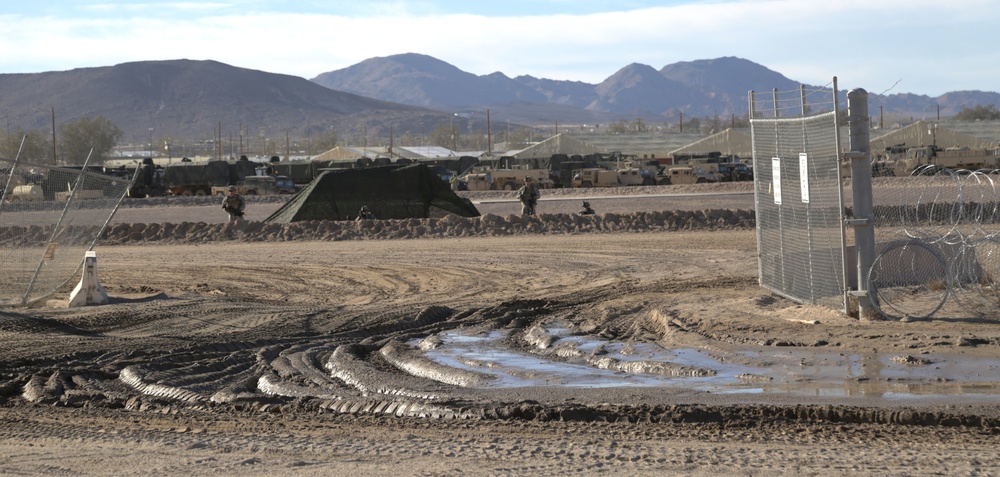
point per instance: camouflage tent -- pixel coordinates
(390, 192)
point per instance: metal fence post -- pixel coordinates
(861, 192)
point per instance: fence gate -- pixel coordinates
(798, 197)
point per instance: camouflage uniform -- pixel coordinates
(528, 195)
(234, 205)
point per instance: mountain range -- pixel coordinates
(405, 93)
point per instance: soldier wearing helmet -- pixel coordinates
(586, 210)
(365, 214)
(234, 204)
(528, 195)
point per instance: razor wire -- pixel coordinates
(937, 244)
(49, 217)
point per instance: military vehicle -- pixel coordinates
(735, 172)
(487, 178)
(595, 177)
(189, 178)
(956, 158)
(692, 174)
(26, 192)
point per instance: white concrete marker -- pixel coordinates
(89, 291)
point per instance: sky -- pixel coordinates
(925, 47)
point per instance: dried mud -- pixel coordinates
(233, 350)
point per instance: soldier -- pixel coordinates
(528, 195)
(364, 214)
(234, 205)
(586, 209)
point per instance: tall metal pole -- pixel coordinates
(53, 135)
(861, 188)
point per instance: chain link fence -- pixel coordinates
(49, 217)
(798, 198)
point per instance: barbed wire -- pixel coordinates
(939, 240)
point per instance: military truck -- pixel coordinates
(189, 178)
(595, 177)
(487, 178)
(513, 178)
(963, 158)
(632, 176)
(692, 174)
(260, 185)
(476, 181)
(734, 172)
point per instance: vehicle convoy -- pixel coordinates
(259, 185)
(487, 178)
(956, 158)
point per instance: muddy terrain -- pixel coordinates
(634, 342)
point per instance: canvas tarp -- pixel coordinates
(390, 192)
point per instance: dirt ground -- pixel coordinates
(651, 350)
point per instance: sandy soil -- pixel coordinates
(317, 350)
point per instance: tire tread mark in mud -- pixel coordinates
(414, 363)
(301, 363)
(135, 377)
(348, 364)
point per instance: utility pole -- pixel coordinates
(53, 135)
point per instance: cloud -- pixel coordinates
(870, 42)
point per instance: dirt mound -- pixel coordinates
(449, 226)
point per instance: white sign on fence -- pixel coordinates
(776, 178)
(804, 176)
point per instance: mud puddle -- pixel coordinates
(557, 357)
